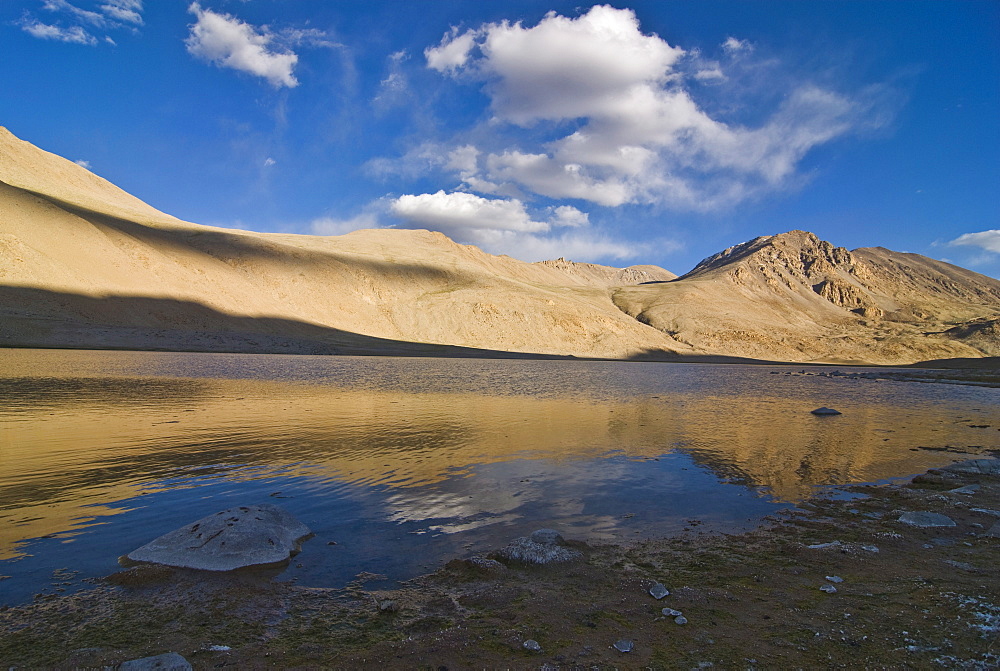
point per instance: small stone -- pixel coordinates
(829, 589)
(926, 520)
(835, 578)
(168, 661)
(986, 511)
(826, 411)
(218, 648)
(824, 546)
(388, 606)
(670, 612)
(967, 490)
(623, 645)
(658, 591)
(680, 619)
(532, 644)
(869, 548)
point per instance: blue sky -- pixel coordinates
(642, 132)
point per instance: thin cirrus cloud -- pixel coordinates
(227, 42)
(640, 137)
(75, 25)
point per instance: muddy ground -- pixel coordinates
(909, 598)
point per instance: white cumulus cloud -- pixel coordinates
(452, 53)
(986, 240)
(226, 41)
(638, 134)
(504, 226)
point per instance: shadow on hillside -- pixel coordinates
(238, 250)
(31, 317)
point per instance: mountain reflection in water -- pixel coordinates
(126, 445)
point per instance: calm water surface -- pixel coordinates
(406, 463)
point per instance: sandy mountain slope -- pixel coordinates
(82, 263)
(797, 298)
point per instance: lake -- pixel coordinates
(400, 464)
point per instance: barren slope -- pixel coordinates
(797, 298)
(82, 263)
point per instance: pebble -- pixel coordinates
(658, 591)
(670, 612)
(623, 645)
(835, 578)
(532, 644)
(829, 589)
(680, 619)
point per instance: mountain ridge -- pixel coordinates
(75, 238)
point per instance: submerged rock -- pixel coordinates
(543, 547)
(231, 539)
(168, 661)
(826, 411)
(925, 520)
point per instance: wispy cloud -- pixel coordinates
(73, 34)
(77, 25)
(82, 163)
(227, 42)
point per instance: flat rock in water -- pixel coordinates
(543, 547)
(234, 538)
(926, 520)
(826, 411)
(168, 661)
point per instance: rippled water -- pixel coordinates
(405, 463)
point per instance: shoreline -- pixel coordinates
(909, 596)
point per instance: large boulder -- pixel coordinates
(231, 539)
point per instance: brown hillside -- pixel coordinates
(797, 298)
(81, 245)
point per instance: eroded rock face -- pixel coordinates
(234, 538)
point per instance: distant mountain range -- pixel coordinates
(85, 265)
